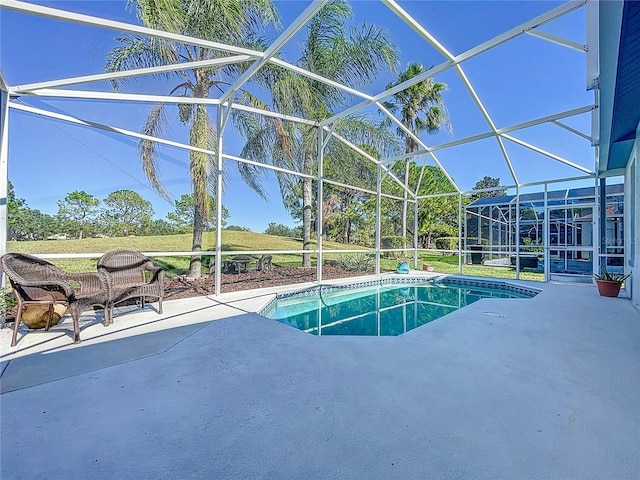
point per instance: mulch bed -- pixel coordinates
(180, 287)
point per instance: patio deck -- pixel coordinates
(547, 387)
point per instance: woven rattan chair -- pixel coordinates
(131, 275)
(264, 263)
(37, 282)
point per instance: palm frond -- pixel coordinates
(154, 126)
(139, 52)
(168, 15)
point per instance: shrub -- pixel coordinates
(7, 302)
(447, 243)
(282, 230)
(357, 262)
(392, 242)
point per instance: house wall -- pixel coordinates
(632, 226)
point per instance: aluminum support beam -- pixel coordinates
(107, 128)
(415, 235)
(219, 197)
(482, 136)
(593, 45)
(410, 133)
(121, 26)
(580, 47)
(274, 48)
(601, 226)
(129, 97)
(572, 130)
(449, 177)
(378, 214)
(136, 29)
(126, 97)
(465, 80)
(545, 240)
(473, 52)
(461, 218)
(3, 82)
(517, 233)
(548, 154)
(319, 204)
(133, 134)
(357, 149)
(4, 178)
(178, 67)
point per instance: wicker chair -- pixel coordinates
(125, 270)
(264, 263)
(37, 282)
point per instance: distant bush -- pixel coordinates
(447, 243)
(282, 230)
(357, 262)
(392, 242)
(237, 228)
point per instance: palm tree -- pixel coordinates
(421, 109)
(351, 56)
(233, 22)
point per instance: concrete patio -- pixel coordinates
(544, 388)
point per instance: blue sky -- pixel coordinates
(517, 81)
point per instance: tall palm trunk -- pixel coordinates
(199, 134)
(410, 146)
(195, 264)
(346, 235)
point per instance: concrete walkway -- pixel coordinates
(541, 388)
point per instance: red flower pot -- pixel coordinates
(608, 288)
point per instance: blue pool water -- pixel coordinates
(380, 309)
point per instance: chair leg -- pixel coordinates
(16, 325)
(105, 315)
(49, 317)
(160, 305)
(76, 326)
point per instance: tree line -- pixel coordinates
(121, 213)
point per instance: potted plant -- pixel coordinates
(609, 283)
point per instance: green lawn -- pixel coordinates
(449, 264)
(231, 241)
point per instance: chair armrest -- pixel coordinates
(157, 273)
(90, 281)
(47, 284)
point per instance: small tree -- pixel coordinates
(78, 207)
(25, 223)
(488, 182)
(182, 216)
(280, 230)
(127, 212)
(162, 227)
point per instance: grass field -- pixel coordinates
(232, 241)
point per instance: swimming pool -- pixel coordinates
(382, 308)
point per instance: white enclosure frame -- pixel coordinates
(54, 89)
